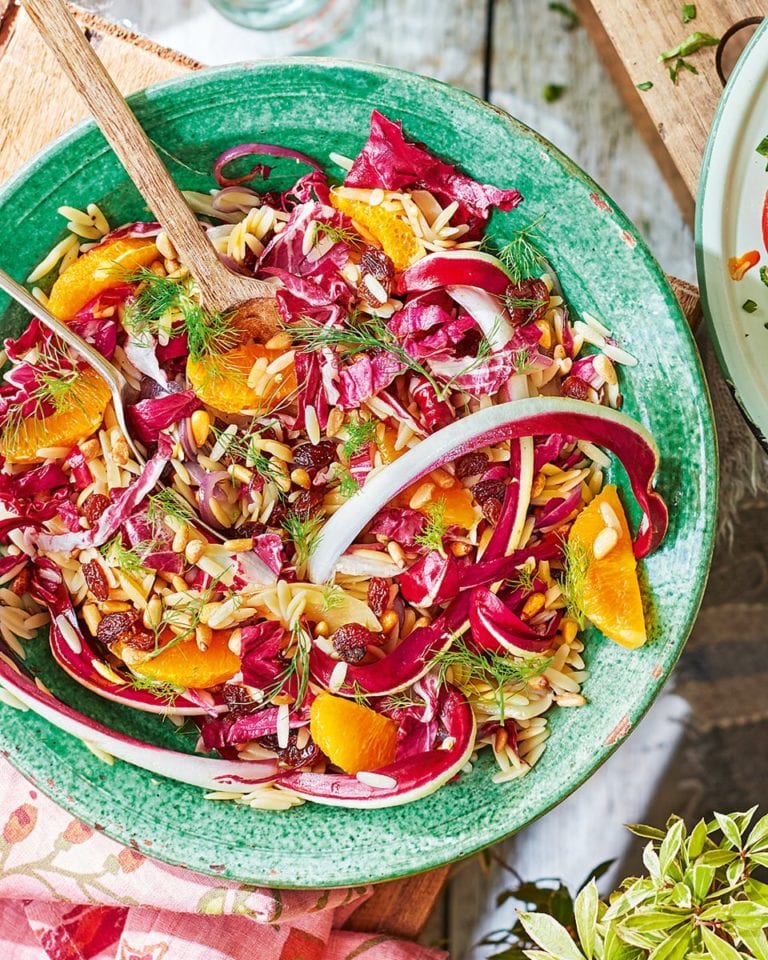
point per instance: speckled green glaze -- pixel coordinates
(605, 268)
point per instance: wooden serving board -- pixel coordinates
(673, 118)
(33, 113)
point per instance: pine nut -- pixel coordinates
(396, 552)
(164, 246)
(277, 449)
(181, 538)
(422, 622)
(605, 541)
(179, 584)
(235, 642)
(117, 606)
(92, 618)
(90, 449)
(459, 549)
(570, 700)
(200, 421)
(335, 422)
(609, 516)
(280, 341)
(280, 363)
(389, 620)
(442, 478)
(605, 369)
(153, 615)
(301, 478)
(281, 699)
(203, 637)
(500, 739)
(238, 546)
(422, 496)
(194, 550)
(312, 424)
(533, 605)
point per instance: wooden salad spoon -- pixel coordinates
(250, 301)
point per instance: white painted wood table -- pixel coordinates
(529, 48)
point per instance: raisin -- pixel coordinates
(527, 301)
(378, 594)
(96, 580)
(238, 699)
(351, 641)
(20, 583)
(125, 628)
(471, 465)
(492, 511)
(291, 756)
(94, 506)
(378, 264)
(575, 388)
(489, 490)
(315, 456)
(308, 502)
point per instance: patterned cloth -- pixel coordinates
(70, 893)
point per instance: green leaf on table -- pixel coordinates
(692, 44)
(645, 85)
(585, 913)
(569, 15)
(688, 12)
(552, 936)
(762, 148)
(551, 92)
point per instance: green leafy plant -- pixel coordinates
(701, 898)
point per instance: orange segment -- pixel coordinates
(385, 441)
(80, 415)
(352, 736)
(222, 381)
(186, 665)
(459, 509)
(611, 595)
(397, 239)
(103, 267)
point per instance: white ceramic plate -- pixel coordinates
(732, 192)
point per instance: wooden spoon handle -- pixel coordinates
(219, 289)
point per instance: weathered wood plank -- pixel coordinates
(674, 119)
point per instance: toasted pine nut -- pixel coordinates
(422, 622)
(90, 448)
(335, 422)
(459, 549)
(312, 424)
(422, 496)
(322, 629)
(280, 341)
(570, 700)
(92, 617)
(389, 620)
(500, 739)
(396, 552)
(116, 606)
(301, 478)
(235, 642)
(200, 421)
(154, 613)
(181, 538)
(194, 550)
(533, 605)
(605, 541)
(164, 246)
(442, 478)
(238, 546)
(281, 698)
(179, 584)
(277, 449)
(203, 637)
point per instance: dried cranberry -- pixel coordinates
(315, 456)
(125, 628)
(489, 490)
(20, 583)
(377, 263)
(471, 465)
(238, 699)
(96, 580)
(94, 506)
(492, 511)
(278, 515)
(575, 388)
(378, 595)
(527, 301)
(308, 502)
(351, 641)
(292, 756)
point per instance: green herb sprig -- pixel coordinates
(521, 255)
(692, 44)
(701, 897)
(434, 530)
(577, 562)
(305, 532)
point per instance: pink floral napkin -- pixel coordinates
(69, 893)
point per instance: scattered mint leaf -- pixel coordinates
(553, 92)
(688, 12)
(645, 85)
(680, 64)
(749, 306)
(764, 275)
(762, 149)
(696, 41)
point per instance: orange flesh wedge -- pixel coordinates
(80, 415)
(611, 597)
(459, 510)
(185, 665)
(352, 736)
(385, 441)
(222, 381)
(397, 239)
(96, 271)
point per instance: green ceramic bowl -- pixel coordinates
(605, 268)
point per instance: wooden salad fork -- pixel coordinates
(250, 301)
